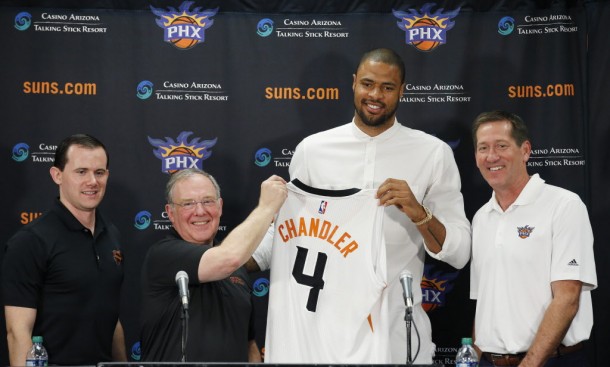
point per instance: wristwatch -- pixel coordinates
(426, 219)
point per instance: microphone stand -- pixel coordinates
(185, 323)
(409, 319)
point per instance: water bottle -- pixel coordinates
(466, 356)
(37, 355)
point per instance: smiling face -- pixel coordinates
(82, 182)
(377, 88)
(199, 223)
(501, 161)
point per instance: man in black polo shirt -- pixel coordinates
(62, 274)
(220, 311)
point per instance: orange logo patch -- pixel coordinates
(118, 256)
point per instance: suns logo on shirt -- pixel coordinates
(524, 232)
(117, 255)
(237, 280)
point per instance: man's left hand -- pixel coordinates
(398, 193)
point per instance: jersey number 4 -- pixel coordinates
(315, 281)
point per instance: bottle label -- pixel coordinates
(36, 362)
(466, 364)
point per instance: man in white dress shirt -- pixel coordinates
(416, 179)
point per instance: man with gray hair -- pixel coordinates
(220, 324)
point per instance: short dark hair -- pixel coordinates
(83, 140)
(386, 56)
(184, 174)
(519, 130)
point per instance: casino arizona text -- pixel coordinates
(80, 18)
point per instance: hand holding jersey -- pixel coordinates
(364, 154)
(328, 275)
(398, 193)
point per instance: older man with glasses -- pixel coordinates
(220, 320)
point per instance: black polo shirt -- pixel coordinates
(72, 278)
(220, 313)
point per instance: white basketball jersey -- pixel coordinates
(328, 275)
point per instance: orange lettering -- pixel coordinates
(330, 237)
(351, 247)
(324, 230)
(313, 227)
(280, 229)
(287, 231)
(290, 228)
(342, 239)
(302, 227)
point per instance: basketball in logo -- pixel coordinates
(425, 30)
(181, 154)
(425, 45)
(180, 151)
(184, 29)
(429, 286)
(184, 43)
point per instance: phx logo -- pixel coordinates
(181, 154)
(183, 28)
(525, 232)
(435, 287)
(426, 30)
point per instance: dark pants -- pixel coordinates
(574, 359)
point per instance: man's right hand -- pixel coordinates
(273, 193)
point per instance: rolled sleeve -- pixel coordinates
(446, 202)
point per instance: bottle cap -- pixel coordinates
(467, 341)
(37, 339)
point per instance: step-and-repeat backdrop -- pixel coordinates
(233, 86)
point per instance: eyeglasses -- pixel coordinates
(191, 205)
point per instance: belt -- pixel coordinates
(504, 359)
(514, 359)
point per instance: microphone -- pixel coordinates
(406, 280)
(182, 280)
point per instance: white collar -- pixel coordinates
(528, 195)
